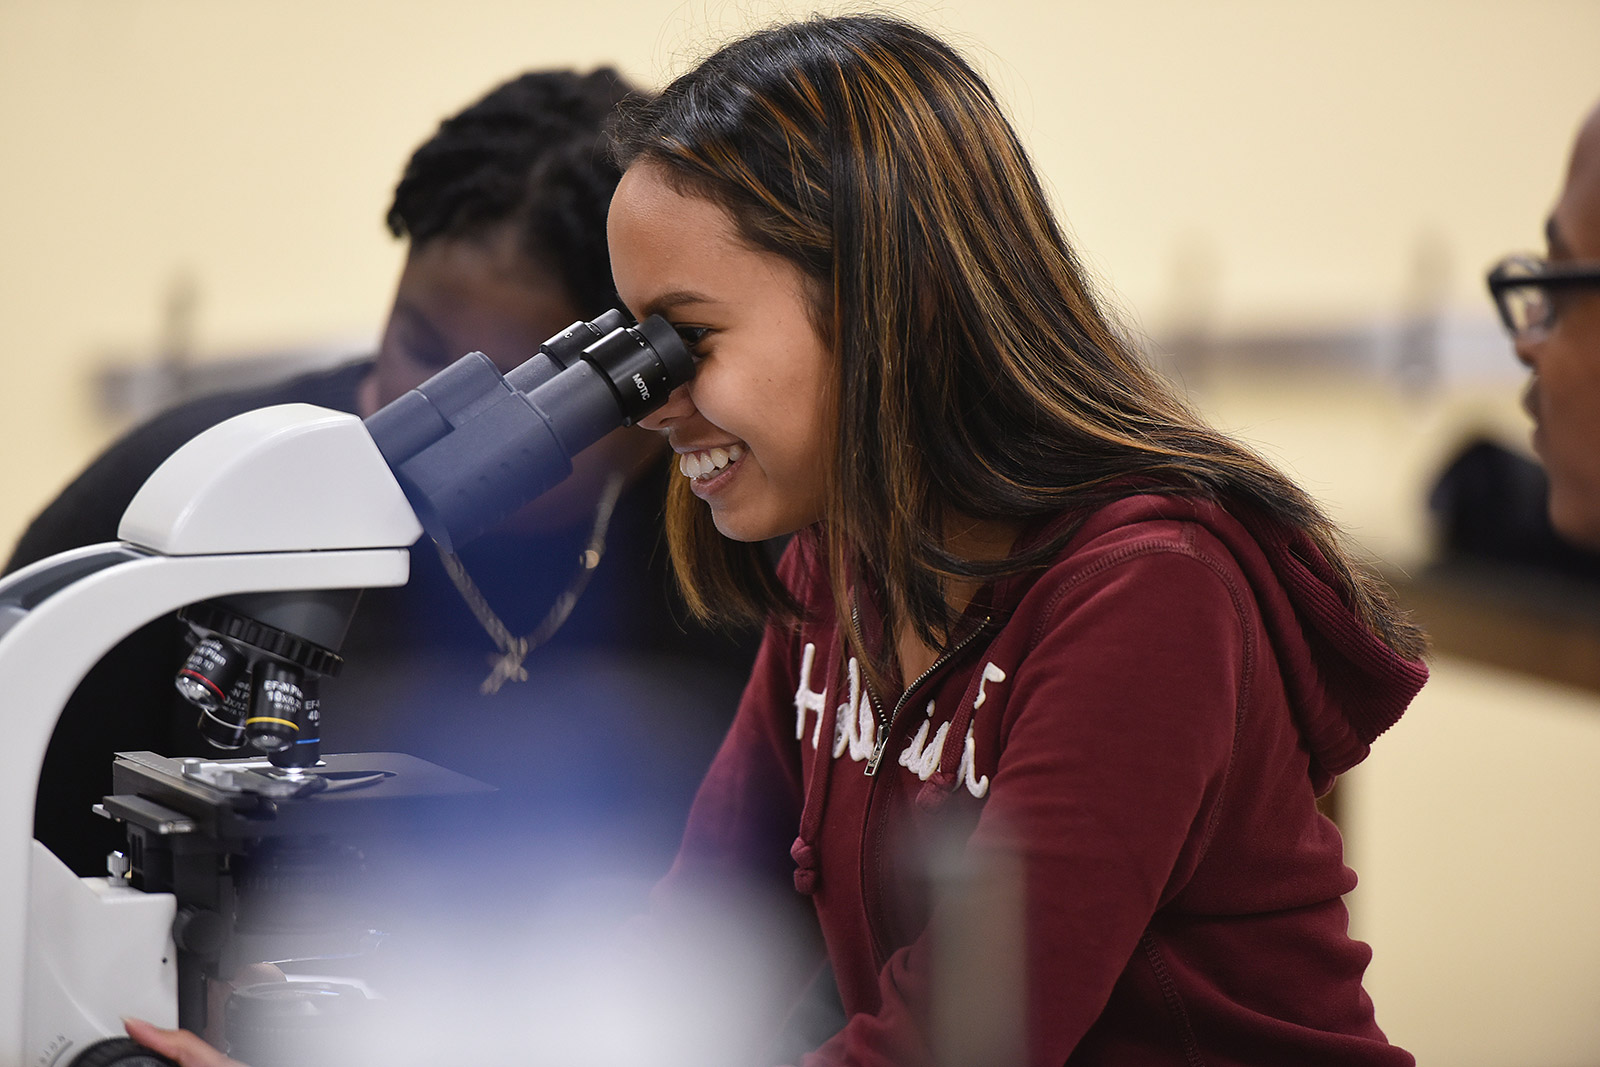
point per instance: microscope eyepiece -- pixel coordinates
(643, 364)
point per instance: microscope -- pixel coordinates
(260, 533)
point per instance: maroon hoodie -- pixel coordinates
(1139, 730)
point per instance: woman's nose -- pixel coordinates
(677, 406)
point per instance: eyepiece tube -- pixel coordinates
(557, 354)
(417, 419)
(510, 445)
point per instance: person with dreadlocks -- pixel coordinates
(504, 210)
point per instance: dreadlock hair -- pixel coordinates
(976, 373)
(529, 153)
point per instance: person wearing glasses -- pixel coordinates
(1551, 306)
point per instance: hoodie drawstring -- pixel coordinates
(803, 852)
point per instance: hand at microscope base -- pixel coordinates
(181, 1045)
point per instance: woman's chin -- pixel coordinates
(737, 525)
(733, 529)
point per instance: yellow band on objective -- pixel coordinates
(285, 722)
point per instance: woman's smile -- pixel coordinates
(706, 464)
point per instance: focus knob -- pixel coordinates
(199, 931)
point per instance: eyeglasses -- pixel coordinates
(1531, 293)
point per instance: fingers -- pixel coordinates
(188, 1049)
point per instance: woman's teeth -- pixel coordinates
(706, 463)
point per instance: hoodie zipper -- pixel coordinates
(872, 902)
(886, 725)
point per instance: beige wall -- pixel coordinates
(1235, 162)
(1475, 827)
(1287, 159)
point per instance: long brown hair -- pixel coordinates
(976, 373)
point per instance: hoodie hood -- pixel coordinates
(1346, 686)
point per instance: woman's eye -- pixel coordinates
(692, 335)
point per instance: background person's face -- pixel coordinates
(459, 295)
(1564, 394)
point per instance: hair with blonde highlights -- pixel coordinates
(976, 373)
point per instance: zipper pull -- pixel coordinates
(877, 753)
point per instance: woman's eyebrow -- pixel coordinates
(673, 300)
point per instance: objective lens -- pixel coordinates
(306, 749)
(224, 727)
(276, 700)
(209, 674)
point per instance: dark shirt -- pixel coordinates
(1492, 508)
(625, 665)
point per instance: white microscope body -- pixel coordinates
(286, 499)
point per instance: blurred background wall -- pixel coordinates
(1294, 203)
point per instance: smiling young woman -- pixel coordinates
(1032, 601)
